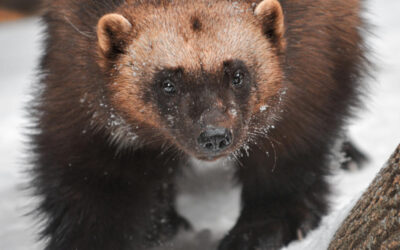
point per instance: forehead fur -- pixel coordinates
(197, 35)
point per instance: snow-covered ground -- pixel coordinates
(377, 132)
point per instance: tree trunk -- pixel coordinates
(374, 222)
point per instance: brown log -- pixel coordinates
(374, 222)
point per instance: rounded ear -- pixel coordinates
(113, 31)
(271, 16)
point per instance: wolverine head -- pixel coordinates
(204, 77)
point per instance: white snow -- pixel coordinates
(211, 201)
(19, 42)
(263, 108)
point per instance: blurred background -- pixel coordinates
(376, 130)
(15, 9)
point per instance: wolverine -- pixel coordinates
(132, 91)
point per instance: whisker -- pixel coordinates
(76, 28)
(236, 159)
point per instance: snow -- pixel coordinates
(263, 108)
(19, 52)
(211, 204)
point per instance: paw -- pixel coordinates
(255, 238)
(353, 158)
(165, 227)
(171, 224)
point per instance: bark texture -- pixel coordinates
(374, 222)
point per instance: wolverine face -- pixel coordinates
(199, 77)
(205, 112)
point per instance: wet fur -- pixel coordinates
(104, 184)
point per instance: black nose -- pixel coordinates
(215, 140)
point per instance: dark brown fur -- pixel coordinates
(106, 153)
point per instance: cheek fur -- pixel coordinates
(269, 85)
(128, 97)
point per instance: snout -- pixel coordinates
(215, 140)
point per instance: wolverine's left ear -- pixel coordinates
(271, 16)
(113, 32)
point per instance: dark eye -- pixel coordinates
(237, 80)
(168, 87)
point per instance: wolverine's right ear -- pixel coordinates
(270, 13)
(113, 31)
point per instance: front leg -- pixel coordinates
(107, 202)
(280, 203)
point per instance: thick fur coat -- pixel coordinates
(130, 89)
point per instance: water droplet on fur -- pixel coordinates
(83, 99)
(170, 118)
